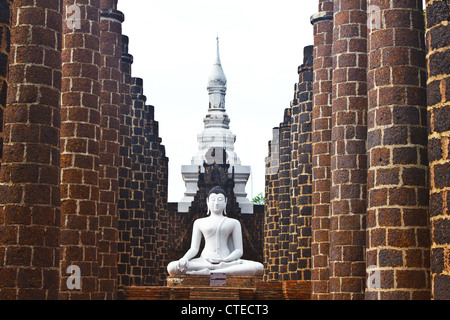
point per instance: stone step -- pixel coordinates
(263, 290)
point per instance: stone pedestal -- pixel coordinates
(204, 281)
(236, 288)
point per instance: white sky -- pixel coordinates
(261, 45)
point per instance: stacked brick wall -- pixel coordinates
(110, 80)
(143, 182)
(143, 209)
(80, 135)
(5, 17)
(438, 86)
(301, 173)
(284, 196)
(138, 216)
(29, 176)
(271, 226)
(348, 151)
(125, 117)
(321, 149)
(162, 217)
(156, 196)
(398, 245)
(287, 230)
(151, 185)
(79, 144)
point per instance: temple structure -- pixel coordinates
(216, 145)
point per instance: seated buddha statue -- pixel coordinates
(223, 244)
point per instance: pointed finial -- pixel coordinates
(217, 38)
(218, 55)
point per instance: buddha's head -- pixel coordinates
(217, 201)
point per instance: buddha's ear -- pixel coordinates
(207, 207)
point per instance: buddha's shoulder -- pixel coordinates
(200, 220)
(232, 221)
(206, 220)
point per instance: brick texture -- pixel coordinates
(125, 117)
(80, 148)
(287, 233)
(299, 267)
(138, 215)
(284, 199)
(143, 187)
(271, 208)
(110, 99)
(5, 41)
(29, 175)
(321, 149)
(156, 200)
(348, 151)
(438, 86)
(398, 245)
(84, 176)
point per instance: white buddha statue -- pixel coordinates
(223, 244)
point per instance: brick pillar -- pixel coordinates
(271, 225)
(5, 21)
(124, 210)
(162, 240)
(162, 215)
(301, 172)
(398, 245)
(80, 135)
(348, 159)
(284, 198)
(138, 214)
(156, 175)
(110, 99)
(438, 31)
(151, 151)
(29, 176)
(321, 148)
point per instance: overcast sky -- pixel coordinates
(261, 45)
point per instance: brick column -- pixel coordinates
(150, 169)
(301, 172)
(321, 148)
(397, 214)
(438, 31)
(162, 218)
(5, 20)
(271, 226)
(284, 199)
(110, 99)
(138, 214)
(29, 176)
(124, 169)
(80, 135)
(348, 160)
(155, 201)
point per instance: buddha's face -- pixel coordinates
(217, 203)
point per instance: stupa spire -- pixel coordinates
(216, 144)
(217, 89)
(218, 53)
